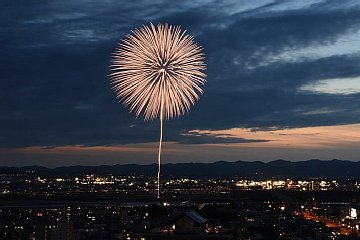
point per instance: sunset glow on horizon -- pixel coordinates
(325, 141)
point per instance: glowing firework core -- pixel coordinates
(157, 71)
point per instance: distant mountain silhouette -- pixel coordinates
(278, 168)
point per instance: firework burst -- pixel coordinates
(157, 72)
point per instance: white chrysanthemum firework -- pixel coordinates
(157, 72)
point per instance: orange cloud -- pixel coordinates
(307, 137)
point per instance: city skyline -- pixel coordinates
(283, 82)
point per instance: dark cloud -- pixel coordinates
(203, 138)
(55, 56)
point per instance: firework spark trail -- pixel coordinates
(157, 71)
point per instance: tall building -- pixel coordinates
(48, 230)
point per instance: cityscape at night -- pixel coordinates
(180, 120)
(91, 206)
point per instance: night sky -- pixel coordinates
(283, 81)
